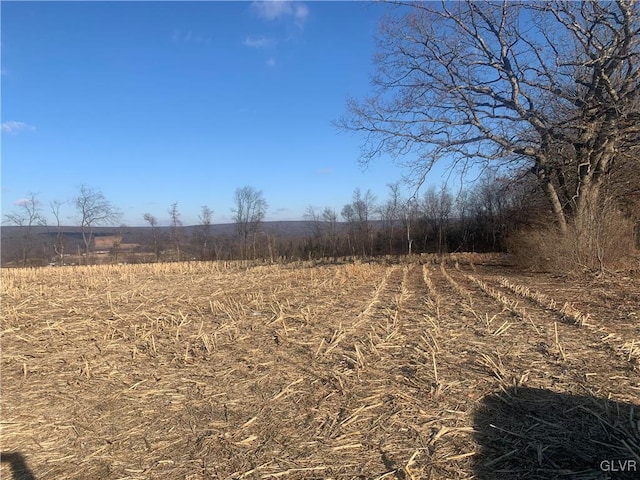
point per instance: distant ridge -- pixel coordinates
(295, 228)
(12, 236)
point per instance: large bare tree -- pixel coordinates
(249, 211)
(93, 209)
(550, 86)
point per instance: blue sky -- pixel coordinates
(161, 102)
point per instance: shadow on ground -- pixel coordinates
(539, 434)
(18, 466)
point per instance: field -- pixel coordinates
(432, 368)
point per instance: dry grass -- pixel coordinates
(603, 242)
(363, 370)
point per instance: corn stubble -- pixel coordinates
(356, 370)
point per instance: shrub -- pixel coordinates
(603, 241)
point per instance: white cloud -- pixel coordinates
(277, 9)
(22, 201)
(301, 12)
(273, 9)
(259, 42)
(290, 15)
(13, 127)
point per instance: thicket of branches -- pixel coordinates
(551, 88)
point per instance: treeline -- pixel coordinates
(497, 213)
(440, 220)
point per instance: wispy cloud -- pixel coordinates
(188, 36)
(324, 171)
(301, 12)
(259, 42)
(14, 128)
(281, 9)
(22, 202)
(291, 17)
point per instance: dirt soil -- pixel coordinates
(458, 368)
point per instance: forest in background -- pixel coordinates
(496, 214)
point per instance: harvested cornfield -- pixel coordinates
(453, 369)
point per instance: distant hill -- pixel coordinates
(42, 236)
(136, 234)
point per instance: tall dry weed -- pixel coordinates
(603, 241)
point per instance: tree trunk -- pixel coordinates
(87, 241)
(558, 212)
(587, 204)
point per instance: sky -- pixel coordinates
(153, 103)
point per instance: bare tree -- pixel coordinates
(437, 207)
(349, 215)
(463, 214)
(116, 243)
(93, 210)
(317, 244)
(27, 215)
(176, 223)
(358, 214)
(204, 231)
(390, 214)
(324, 228)
(249, 211)
(330, 219)
(157, 243)
(58, 244)
(496, 206)
(410, 213)
(551, 85)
